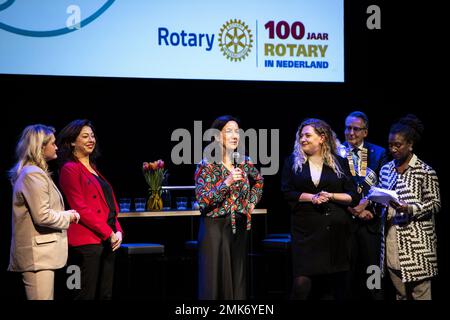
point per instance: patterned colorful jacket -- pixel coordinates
(216, 199)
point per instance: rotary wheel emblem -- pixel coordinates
(235, 40)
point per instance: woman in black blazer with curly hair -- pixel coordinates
(317, 184)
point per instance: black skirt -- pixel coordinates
(222, 258)
(320, 241)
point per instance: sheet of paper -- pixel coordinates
(382, 196)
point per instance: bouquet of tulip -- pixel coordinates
(154, 174)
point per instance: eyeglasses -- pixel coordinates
(355, 129)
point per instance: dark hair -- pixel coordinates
(218, 124)
(221, 121)
(361, 115)
(410, 127)
(67, 136)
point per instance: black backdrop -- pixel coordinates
(135, 117)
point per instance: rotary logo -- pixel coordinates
(235, 40)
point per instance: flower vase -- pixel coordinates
(154, 201)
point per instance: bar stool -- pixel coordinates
(278, 236)
(143, 267)
(143, 248)
(191, 245)
(277, 251)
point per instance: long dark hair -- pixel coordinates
(68, 135)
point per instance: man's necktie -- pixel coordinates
(356, 159)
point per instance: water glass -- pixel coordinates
(139, 204)
(182, 203)
(124, 204)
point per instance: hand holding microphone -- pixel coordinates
(236, 173)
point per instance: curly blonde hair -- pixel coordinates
(29, 149)
(329, 147)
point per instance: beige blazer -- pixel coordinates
(39, 223)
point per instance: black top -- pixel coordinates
(108, 193)
(320, 233)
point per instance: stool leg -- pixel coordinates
(128, 284)
(163, 277)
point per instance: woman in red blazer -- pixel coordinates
(92, 242)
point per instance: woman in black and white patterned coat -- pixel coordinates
(410, 245)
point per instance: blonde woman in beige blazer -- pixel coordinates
(39, 222)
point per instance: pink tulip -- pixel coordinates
(160, 164)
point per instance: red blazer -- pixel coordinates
(85, 195)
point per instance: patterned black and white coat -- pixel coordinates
(418, 186)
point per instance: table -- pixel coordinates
(181, 213)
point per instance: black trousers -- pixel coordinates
(222, 259)
(96, 262)
(365, 251)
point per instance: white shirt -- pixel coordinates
(316, 172)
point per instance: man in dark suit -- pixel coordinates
(365, 161)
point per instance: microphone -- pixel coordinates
(235, 156)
